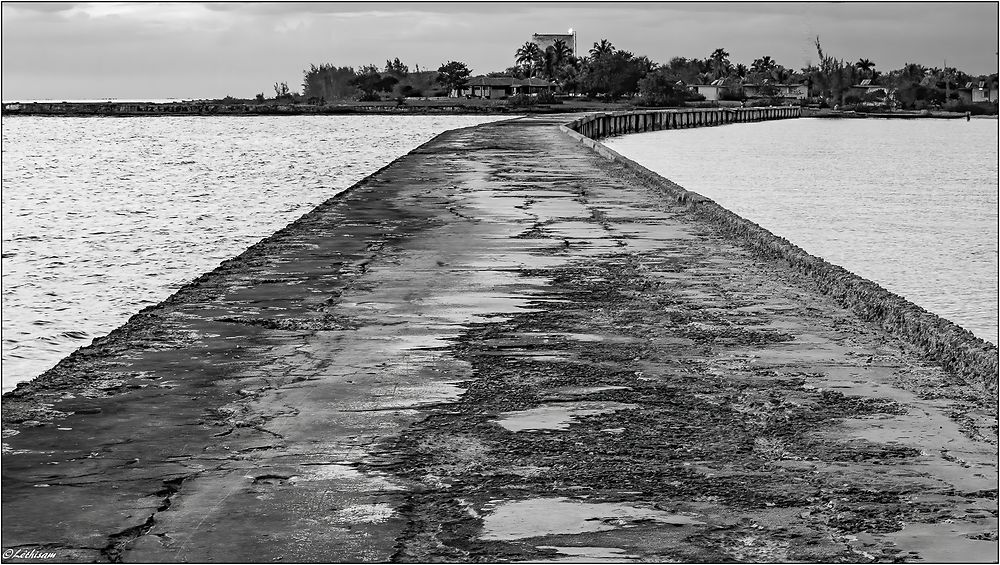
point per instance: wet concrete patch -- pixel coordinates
(946, 542)
(584, 554)
(343, 473)
(539, 517)
(557, 416)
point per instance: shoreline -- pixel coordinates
(377, 382)
(413, 106)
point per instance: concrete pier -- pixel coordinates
(504, 346)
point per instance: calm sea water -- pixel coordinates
(910, 204)
(104, 216)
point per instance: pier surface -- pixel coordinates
(502, 347)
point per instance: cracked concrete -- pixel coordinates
(335, 393)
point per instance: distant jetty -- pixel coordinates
(250, 108)
(202, 108)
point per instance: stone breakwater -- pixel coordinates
(125, 109)
(502, 347)
(942, 340)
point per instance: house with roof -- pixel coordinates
(502, 87)
(978, 91)
(713, 90)
(792, 91)
(869, 89)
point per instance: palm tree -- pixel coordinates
(780, 73)
(549, 62)
(528, 56)
(866, 67)
(562, 51)
(741, 70)
(603, 48)
(764, 64)
(914, 71)
(720, 62)
(568, 75)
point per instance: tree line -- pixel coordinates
(608, 73)
(368, 83)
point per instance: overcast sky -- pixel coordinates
(208, 50)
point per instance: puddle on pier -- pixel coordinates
(943, 542)
(344, 473)
(603, 338)
(556, 416)
(510, 520)
(589, 338)
(395, 395)
(428, 341)
(586, 390)
(471, 306)
(554, 209)
(947, 454)
(586, 554)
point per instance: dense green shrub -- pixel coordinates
(547, 97)
(660, 88)
(981, 109)
(524, 100)
(520, 100)
(872, 108)
(409, 91)
(329, 82)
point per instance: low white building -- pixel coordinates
(982, 91)
(711, 91)
(502, 87)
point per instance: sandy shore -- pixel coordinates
(500, 347)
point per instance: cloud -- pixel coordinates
(42, 7)
(210, 49)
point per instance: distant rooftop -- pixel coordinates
(506, 81)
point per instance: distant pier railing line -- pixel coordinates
(597, 126)
(953, 347)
